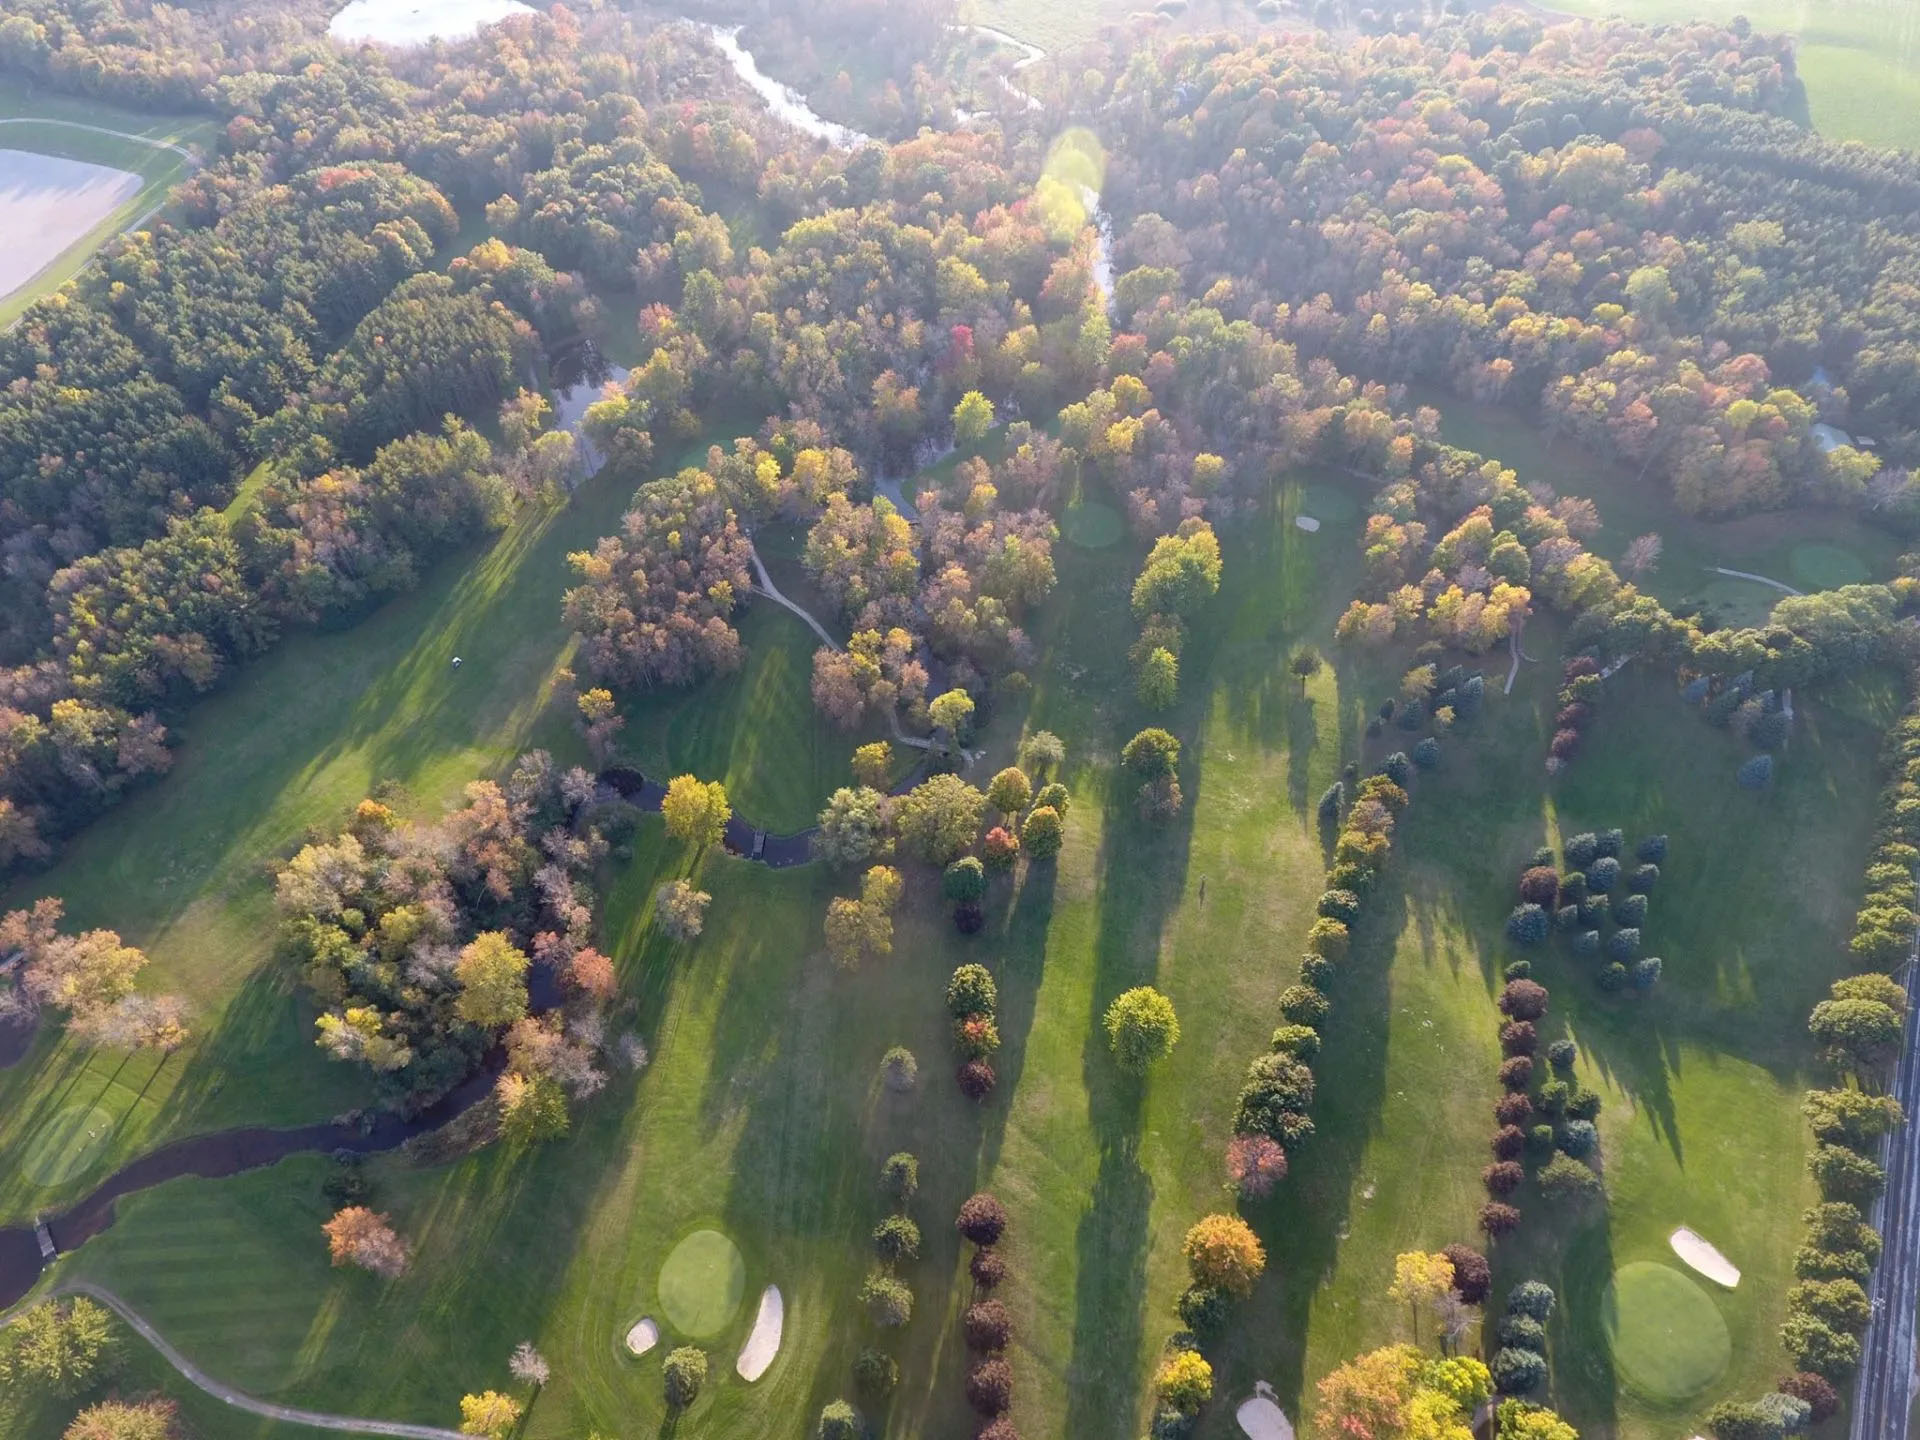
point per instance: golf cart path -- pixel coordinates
(239, 1400)
(1779, 585)
(147, 140)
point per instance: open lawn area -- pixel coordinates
(761, 1116)
(1807, 549)
(68, 129)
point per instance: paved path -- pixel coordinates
(198, 1378)
(146, 140)
(1884, 1392)
(1757, 579)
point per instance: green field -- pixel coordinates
(761, 1115)
(52, 125)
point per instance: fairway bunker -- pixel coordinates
(48, 205)
(1703, 1257)
(68, 1145)
(701, 1284)
(643, 1336)
(763, 1343)
(1667, 1336)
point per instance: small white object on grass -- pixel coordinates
(1306, 523)
(763, 1342)
(1261, 1417)
(456, 662)
(1703, 1258)
(643, 1337)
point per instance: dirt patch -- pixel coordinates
(47, 205)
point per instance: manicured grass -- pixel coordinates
(1664, 1331)
(1837, 547)
(69, 1146)
(34, 122)
(287, 745)
(701, 1284)
(1092, 525)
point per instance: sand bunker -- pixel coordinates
(1306, 523)
(1702, 1258)
(48, 205)
(385, 22)
(643, 1337)
(764, 1343)
(1262, 1418)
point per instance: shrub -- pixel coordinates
(1184, 1381)
(1341, 905)
(1539, 885)
(1472, 1276)
(1304, 1005)
(1528, 925)
(1503, 1178)
(1513, 1109)
(1331, 800)
(1594, 911)
(1522, 1331)
(887, 1300)
(1653, 849)
(1740, 1420)
(1041, 832)
(900, 1176)
(1787, 1413)
(1603, 875)
(1566, 919)
(1300, 1041)
(1531, 1297)
(1584, 1104)
(1646, 973)
(1574, 716)
(1843, 1304)
(1613, 977)
(1397, 767)
(1427, 753)
(1001, 1429)
(982, 1219)
(1141, 1028)
(1565, 1178)
(1819, 1394)
(1540, 1142)
(1223, 1250)
(875, 1373)
(1609, 843)
(899, 1071)
(965, 879)
(1350, 875)
(976, 1036)
(895, 1239)
(990, 1387)
(1631, 911)
(1517, 970)
(1497, 1220)
(1643, 878)
(1329, 938)
(684, 1372)
(1586, 944)
(976, 1079)
(1582, 850)
(1579, 1139)
(1317, 971)
(1509, 1142)
(1573, 887)
(1817, 1346)
(1756, 773)
(1523, 1000)
(1255, 1165)
(971, 991)
(999, 849)
(1274, 1099)
(1517, 1073)
(1204, 1310)
(987, 1325)
(968, 917)
(1519, 1038)
(988, 1268)
(1053, 797)
(838, 1421)
(1843, 1174)
(1564, 745)
(1561, 1054)
(1624, 944)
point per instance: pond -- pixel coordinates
(581, 377)
(400, 23)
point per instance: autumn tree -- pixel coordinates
(680, 910)
(492, 972)
(489, 1414)
(61, 1347)
(357, 1236)
(1419, 1280)
(1222, 1250)
(533, 1107)
(972, 418)
(154, 1418)
(852, 828)
(1141, 1028)
(939, 818)
(696, 811)
(873, 765)
(861, 929)
(1009, 792)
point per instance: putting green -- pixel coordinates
(1091, 525)
(1665, 1331)
(1826, 567)
(68, 1145)
(701, 1284)
(1329, 504)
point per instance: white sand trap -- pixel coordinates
(47, 204)
(1306, 523)
(764, 1343)
(1703, 1258)
(1262, 1418)
(398, 23)
(643, 1337)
